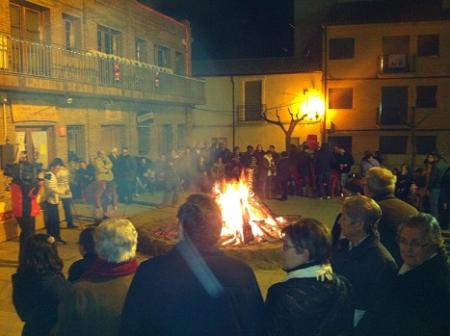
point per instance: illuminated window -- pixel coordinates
(340, 98)
(342, 48)
(428, 45)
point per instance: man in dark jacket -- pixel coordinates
(283, 174)
(194, 289)
(366, 263)
(381, 187)
(324, 161)
(126, 179)
(438, 169)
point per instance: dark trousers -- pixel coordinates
(27, 228)
(67, 204)
(52, 220)
(324, 178)
(284, 188)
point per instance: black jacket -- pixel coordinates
(370, 269)
(306, 306)
(167, 298)
(418, 302)
(36, 300)
(394, 212)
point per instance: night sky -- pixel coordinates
(224, 29)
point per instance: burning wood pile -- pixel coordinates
(245, 218)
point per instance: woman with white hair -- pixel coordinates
(95, 305)
(418, 302)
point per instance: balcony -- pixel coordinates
(39, 67)
(396, 64)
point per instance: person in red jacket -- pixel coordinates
(25, 206)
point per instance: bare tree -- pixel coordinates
(295, 119)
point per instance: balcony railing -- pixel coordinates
(396, 63)
(53, 62)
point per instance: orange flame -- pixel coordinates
(241, 210)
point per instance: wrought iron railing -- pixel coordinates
(92, 67)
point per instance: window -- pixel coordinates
(27, 21)
(395, 45)
(394, 105)
(112, 136)
(179, 63)
(166, 139)
(342, 142)
(425, 144)
(253, 101)
(428, 45)
(162, 56)
(396, 58)
(340, 98)
(342, 48)
(141, 50)
(109, 41)
(393, 144)
(426, 96)
(71, 32)
(75, 141)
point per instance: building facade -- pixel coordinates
(80, 76)
(387, 79)
(238, 92)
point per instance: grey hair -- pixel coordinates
(116, 240)
(429, 227)
(380, 181)
(364, 209)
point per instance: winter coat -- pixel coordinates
(394, 212)
(418, 302)
(437, 171)
(79, 267)
(36, 299)
(93, 307)
(370, 269)
(309, 306)
(324, 161)
(213, 295)
(25, 199)
(103, 169)
(63, 177)
(53, 192)
(126, 169)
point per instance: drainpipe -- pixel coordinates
(5, 125)
(233, 126)
(324, 83)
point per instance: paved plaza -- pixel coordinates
(324, 210)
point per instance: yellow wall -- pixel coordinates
(279, 91)
(362, 74)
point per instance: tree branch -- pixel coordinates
(272, 121)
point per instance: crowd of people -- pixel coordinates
(382, 271)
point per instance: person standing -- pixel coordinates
(283, 175)
(438, 168)
(105, 184)
(323, 162)
(366, 263)
(25, 205)
(53, 195)
(194, 289)
(126, 178)
(312, 300)
(381, 187)
(39, 285)
(64, 179)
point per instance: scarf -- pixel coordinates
(104, 269)
(319, 272)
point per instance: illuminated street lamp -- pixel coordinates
(313, 107)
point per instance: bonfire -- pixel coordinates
(245, 218)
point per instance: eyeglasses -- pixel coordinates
(413, 243)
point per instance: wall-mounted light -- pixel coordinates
(69, 100)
